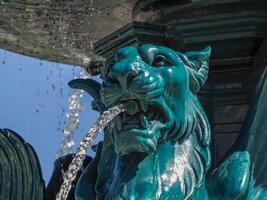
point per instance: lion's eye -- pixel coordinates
(160, 61)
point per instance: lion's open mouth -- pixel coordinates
(140, 127)
(140, 115)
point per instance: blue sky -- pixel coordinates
(34, 102)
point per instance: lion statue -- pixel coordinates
(159, 148)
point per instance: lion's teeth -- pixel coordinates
(144, 106)
(156, 117)
(143, 120)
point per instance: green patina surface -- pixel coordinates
(159, 148)
(20, 172)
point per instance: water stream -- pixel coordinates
(80, 155)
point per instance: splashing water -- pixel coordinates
(75, 108)
(80, 155)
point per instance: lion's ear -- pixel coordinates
(197, 63)
(197, 56)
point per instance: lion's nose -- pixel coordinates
(123, 74)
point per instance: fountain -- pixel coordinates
(77, 162)
(75, 107)
(158, 142)
(156, 138)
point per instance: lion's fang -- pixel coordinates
(144, 106)
(143, 120)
